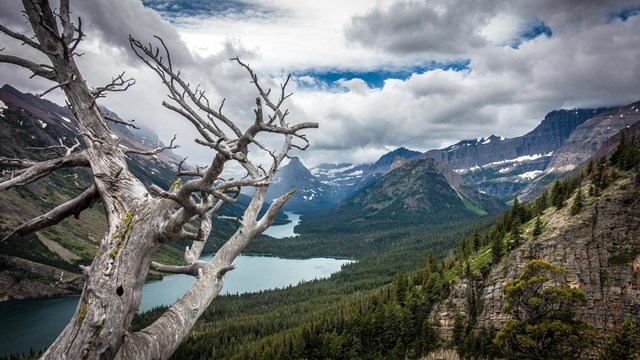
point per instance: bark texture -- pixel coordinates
(139, 221)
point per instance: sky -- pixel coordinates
(375, 75)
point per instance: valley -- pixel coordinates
(406, 219)
(275, 180)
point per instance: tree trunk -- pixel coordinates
(138, 223)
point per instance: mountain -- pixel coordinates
(34, 128)
(310, 192)
(326, 185)
(422, 191)
(589, 136)
(583, 143)
(390, 160)
(598, 245)
(500, 166)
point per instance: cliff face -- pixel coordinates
(592, 139)
(589, 136)
(545, 138)
(600, 248)
(501, 167)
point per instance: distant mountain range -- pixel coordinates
(501, 167)
(402, 188)
(327, 185)
(419, 192)
(496, 166)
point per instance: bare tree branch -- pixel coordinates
(44, 168)
(68, 149)
(191, 269)
(197, 172)
(41, 70)
(118, 83)
(21, 37)
(72, 207)
(180, 91)
(24, 163)
(117, 121)
(155, 151)
(57, 86)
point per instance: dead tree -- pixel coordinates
(139, 221)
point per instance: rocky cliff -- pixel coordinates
(593, 138)
(500, 166)
(600, 248)
(545, 138)
(590, 135)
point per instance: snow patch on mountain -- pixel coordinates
(530, 175)
(515, 161)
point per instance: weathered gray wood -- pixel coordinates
(138, 222)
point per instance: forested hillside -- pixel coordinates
(583, 227)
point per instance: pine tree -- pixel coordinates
(537, 227)
(543, 324)
(457, 336)
(619, 155)
(401, 286)
(541, 204)
(497, 248)
(476, 239)
(516, 233)
(578, 203)
(590, 167)
(622, 344)
(557, 195)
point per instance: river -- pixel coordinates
(35, 323)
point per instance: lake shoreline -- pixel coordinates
(37, 322)
(45, 290)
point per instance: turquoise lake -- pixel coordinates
(35, 323)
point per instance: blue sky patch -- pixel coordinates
(374, 78)
(175, 9)
(624, 14)
(531, 31)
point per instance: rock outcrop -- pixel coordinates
(501, 167)
(589, 136)
(600, 248)
(545, 138)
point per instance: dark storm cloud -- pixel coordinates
(448, 28)
(570, 15)
(116, 20)
(11, 14)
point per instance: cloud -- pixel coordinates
(437, 28)
(179, 9)
(401, 73)
(114, 21)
